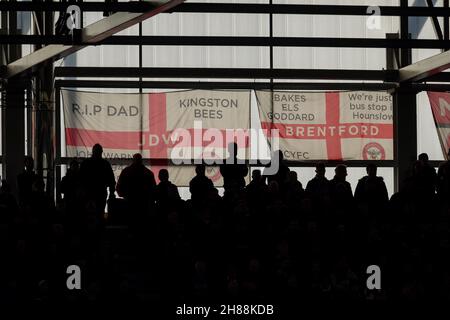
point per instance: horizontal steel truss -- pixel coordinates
(241, 85)
(234, 85)
(246, 8)
(231, 73)
(233, 41)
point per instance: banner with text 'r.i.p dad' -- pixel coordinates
(351, 125)
(158, 125)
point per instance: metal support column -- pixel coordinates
(13, 131)
(43, 105)
(405, 110)
(13, 110)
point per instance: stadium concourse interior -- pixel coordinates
(328, 121)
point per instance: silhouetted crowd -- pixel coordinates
(274, 239)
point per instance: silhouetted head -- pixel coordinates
(341, 171)
(200, 169)
(163, 175)
(97, 151)
(29, 163)
(256, 175)
(320, 169)
(448, 153)
(74, 165)
(137, 158)
(423, 157)
(371, 170)
(233, 150)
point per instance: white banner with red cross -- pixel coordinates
(125, 124)
(351, 125)
(440, 105)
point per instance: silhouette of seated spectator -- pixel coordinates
(96, 177)
(166, 193)
(71, 185)
(200, 185)
(371, 189)
(137, 184)
(233, 171)
(25, 181)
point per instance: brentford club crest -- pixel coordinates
(374, 151)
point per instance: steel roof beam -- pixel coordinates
(91, 34)
(246, 8)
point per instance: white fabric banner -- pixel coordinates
(351, 125)
(186, 125)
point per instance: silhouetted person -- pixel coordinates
(427, 175)
(25, 181)
(257, 184)
(137, 184)
(200, 185)
(412, 185)
(318, 188)
(96, 177)
(281, 174)
(166, 192)
(341, 192)
(257, 188)
(443, 180)
(294, 188)
(71, 185)
(233, 172)
(371, 189)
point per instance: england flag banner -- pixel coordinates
(351, 125)
(440, 105)
(196, 124)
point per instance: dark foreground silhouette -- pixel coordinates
(267, 242)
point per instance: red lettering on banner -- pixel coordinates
(324, 131)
